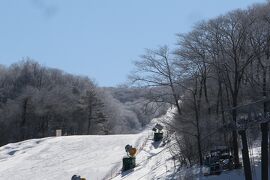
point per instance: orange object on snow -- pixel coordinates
(132, 152)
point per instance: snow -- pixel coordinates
(93, 157)
(61, 157)
(152, 162)
(154, 159)
(196, 173)
(100, 157)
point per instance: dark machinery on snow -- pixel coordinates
(218, 160)
(129, 162)
(158, 133)
(76, 177)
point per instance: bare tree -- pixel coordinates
(155, 71)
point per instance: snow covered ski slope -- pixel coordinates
(100, 158)
(93, 157)
(61, 157)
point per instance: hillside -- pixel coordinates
(93, 157)
(100, 157)
(61, 157)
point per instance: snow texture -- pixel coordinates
(100, 157)
(61, 157)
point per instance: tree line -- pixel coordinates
(36, 100)
(220, 64)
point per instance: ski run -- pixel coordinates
(98, 157)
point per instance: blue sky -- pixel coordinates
(98, 38)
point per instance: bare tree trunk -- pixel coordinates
(220, 101)
(227, 96)
(234, 135)
(223, 116)
(246, 161)
(206, 94)
(89, 119)
(23, 122)
(198, 136)
(264, 129)
(197, 109)
(176, 99)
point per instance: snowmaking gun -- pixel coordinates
(158, 133)
(129, 162)
(76, 177)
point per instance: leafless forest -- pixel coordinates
(36, 100)
(222, 63)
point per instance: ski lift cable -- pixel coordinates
(249, 104)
